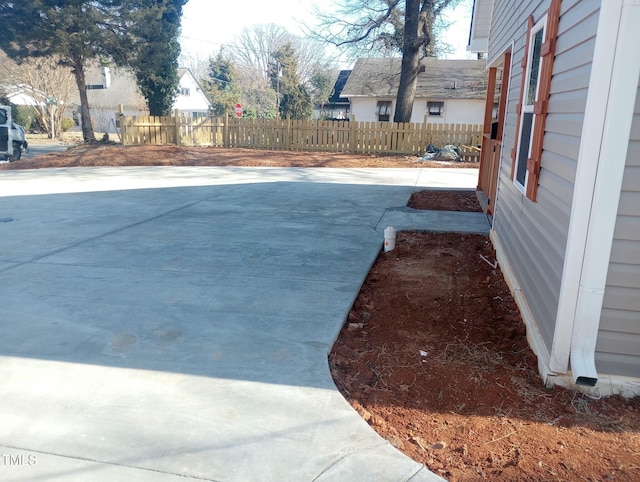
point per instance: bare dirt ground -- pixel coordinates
(117, 155)
(433, 354)
(434, 357)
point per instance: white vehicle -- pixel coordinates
(13, 141)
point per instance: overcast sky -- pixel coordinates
(208, 24)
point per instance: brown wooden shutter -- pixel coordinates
(514, 151)
(540, 107)
(504, 90)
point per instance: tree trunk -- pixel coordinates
(87, 127)
(410, 63)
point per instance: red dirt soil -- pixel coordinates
(434, 357)
(117, 155)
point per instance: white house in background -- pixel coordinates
(108, 88)
(448, 91)
(25, 95)
(191, 100)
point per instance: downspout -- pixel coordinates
(601, 160)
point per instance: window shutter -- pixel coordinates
(523, 63)
(540, 107)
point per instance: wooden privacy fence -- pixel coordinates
(179, 130)
(302, 135)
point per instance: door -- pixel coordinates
(5, 131)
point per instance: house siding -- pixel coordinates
(534, 235)
(618, 346)
(456, 111)
(196, 101)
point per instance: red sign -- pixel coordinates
(238, 110)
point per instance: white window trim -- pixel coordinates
(528, 109)
(441, 113)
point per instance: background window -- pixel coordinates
(185, 91)
(383, 110)
(435, 108)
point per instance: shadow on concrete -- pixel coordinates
(248, 281)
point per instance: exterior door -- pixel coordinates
(5, 131)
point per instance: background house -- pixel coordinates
(336, 107)
(25, 95)
(191, 100)
(108, 88)
(448, 91)
(566, 223)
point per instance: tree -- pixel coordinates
(253, 50)
(384, 26)
(255, 47)
(293, 98)
(221, 85)
(40, 79)
(196, 63)
(157, 31)
(322, 82)
(75, 30)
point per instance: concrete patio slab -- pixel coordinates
(165, 323)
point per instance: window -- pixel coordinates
(185, 91)
(383, 110)
(435, 108)
(527, 118)
(537, 70)
(495, 110)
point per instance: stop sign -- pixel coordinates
(238, 110)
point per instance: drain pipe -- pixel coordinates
(601, 161)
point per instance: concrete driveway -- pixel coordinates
(174, 323)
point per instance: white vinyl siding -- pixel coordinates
(456, 111)
(618, 346)
(534, 234)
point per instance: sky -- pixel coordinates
(209, 24)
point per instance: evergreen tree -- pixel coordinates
(157, 32)
(293, 98)
(221, 85)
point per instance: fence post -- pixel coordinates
(123, 128)
(176, 118)
(289, 144)
(225, 131)
(423, 137)
(353, 135)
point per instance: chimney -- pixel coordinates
(106, 82)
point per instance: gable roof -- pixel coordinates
(335, 97)
(121, 88)
(442, 79)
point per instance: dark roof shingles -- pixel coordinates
(379, 77)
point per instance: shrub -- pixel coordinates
(66, 124)
(25, 116)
